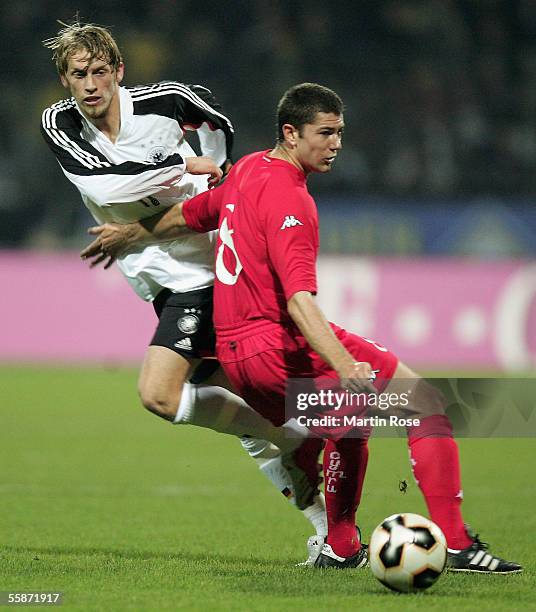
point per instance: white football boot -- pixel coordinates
(314, 547)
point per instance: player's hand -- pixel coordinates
(226, 168)
(204, 165)
(357, 377)
(112, 240)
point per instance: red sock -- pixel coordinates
(345, 464)
(436, 467)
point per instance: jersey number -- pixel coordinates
(376, 345)
(223, 274)
(152, 201)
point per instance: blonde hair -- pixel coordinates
(96, 40)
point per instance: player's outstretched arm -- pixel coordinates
(312, 323)
(114, 239)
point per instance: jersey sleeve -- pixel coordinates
(202, 212)
(94, 175)
(291, 230)
(198, 110)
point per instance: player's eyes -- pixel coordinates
(82, 75)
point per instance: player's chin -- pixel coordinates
(320, 167)
(96, 112)
(327, 162)
(100, 113)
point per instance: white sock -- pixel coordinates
(316, 513)
(268, 458)
(218, 409)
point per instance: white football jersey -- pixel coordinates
(143, 172)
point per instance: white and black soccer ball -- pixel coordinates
(407, 552)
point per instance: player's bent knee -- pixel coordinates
(438, 401)
(159, 403)
(428, 400)
(424, 398)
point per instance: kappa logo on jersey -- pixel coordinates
(184, 344)
(290, 221)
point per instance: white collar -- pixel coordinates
(126, 109)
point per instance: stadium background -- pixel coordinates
(430, 203)
(428, 245)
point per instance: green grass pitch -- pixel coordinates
(119, 510)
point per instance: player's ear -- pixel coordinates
(64, 81)
(120, 73)
(289, 134)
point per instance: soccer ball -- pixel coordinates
(407, 552)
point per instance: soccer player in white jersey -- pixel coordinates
(125, 151)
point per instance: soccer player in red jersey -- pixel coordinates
(270, 329)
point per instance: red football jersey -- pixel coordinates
(267, 244)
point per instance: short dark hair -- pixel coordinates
(301, 103)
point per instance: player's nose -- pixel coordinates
(90, 85)
(336, 145)
(336, 142)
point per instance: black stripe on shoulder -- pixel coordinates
(189, 103)
(61, 126)
(155, 99)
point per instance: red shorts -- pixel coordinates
(259, 368)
